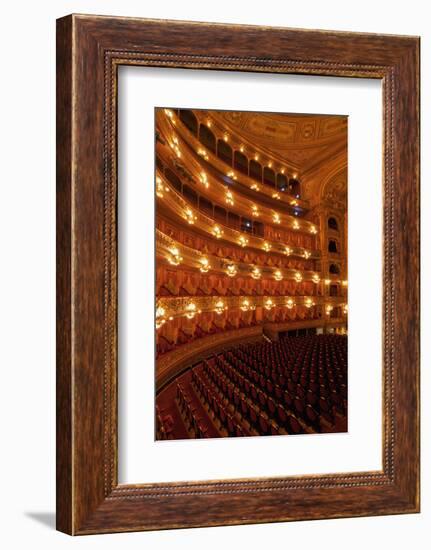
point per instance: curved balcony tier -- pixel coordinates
(178, 137)
(170, 308)
(175, 205)
(174, 253)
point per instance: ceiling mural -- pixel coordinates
(303, 140)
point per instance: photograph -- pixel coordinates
(251, 264)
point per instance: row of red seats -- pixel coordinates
(256, 420)
(194, 422)
(164, 425)
(217, 406)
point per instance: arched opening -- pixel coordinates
(190, 195)
(246, 225)
(295, 187)
(332, 223)
(206, 206)
(240, 162)
(258, 228)
(174, 179)
(332, 246)
(233, 220)
(220, 214)
(269, 176)
(207, 138)
(224, 151)
(333, 290)
(255, 170)
(282, 182)
(189, 120)
(334, 269)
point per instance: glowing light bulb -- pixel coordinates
(174, 258)
(219, 307)
(160, 317)
(229, 197)
(290, 303)
(269, 304)
(243, 241)
(204, 179)
(245, 306)
(231, 270)
(277, 275)
(190, 217)
(217, 232)
(190, 310)
(256, 273)
(205, 265)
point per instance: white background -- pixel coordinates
(27, 122)
(141, 458)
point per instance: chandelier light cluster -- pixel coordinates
(175, 147)
(174, 258)
(160, 188)
(205, 265)
(160, 317)
(266, 246)
(220, 307)
(243, 241)
(269, 304)
(231, 270)
(217, 232)
(309, 303)
(256, 273)
(190, 216)
(247, 306)
(298, 277)
(191, 310)
(204, 179)
(278, 275)
(203, 153)
(229, 197)
(328, 309)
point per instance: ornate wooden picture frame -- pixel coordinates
(89, 51)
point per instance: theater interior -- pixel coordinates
(251, 274)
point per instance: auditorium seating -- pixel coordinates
(297, 385)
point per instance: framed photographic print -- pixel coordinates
(237, 274)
